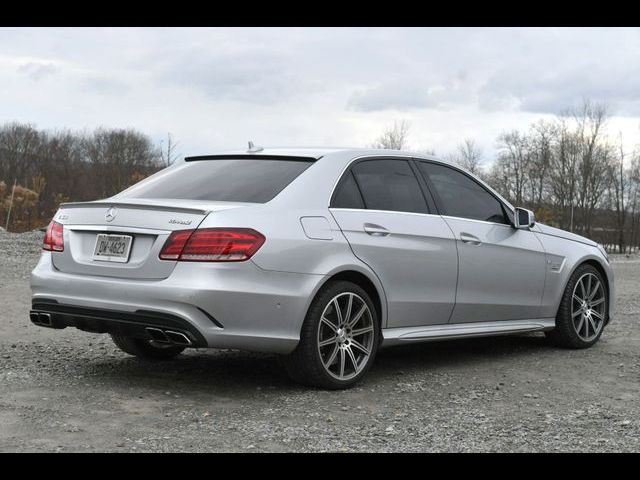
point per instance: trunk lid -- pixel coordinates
(148, 222)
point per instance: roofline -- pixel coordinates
(310, 153)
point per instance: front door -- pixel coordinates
(501, 269)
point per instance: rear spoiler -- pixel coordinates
(250, 157)
(140, 206)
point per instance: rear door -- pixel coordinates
(501, 269)
(390, 225)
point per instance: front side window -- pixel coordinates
(389, 185)
(461, 196)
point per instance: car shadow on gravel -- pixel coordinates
(241, 373)
(460, 353)
(196, 371)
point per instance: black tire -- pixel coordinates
(145, 349)
(565, 332)
(304, 365)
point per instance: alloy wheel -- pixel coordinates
(588, 307)
(345, 336)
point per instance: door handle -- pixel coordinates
(375, 230)
(470, 239)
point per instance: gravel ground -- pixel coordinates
(73, 391)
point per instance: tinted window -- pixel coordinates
(347, 194)
(461, 196)
(256, 181)
(389, 185)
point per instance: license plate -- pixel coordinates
(112, 248)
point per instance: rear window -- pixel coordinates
(389, 185)
(347, 194)
(232, 180)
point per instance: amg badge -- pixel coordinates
(180, 222)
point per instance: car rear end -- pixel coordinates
(143, 264)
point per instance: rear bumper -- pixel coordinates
(149, 325)
(235, 305)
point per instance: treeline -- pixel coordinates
(574, 175)
(40, 169)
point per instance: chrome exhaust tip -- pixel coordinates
(44, 319)
(178, 338)
(41, 319)
(157, 335)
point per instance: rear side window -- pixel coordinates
(461, 196)
(347, 194)
(233, 180)
(389, 185)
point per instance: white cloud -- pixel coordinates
(37, 70)
(217, 88)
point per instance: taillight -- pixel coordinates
(212, 245)
(175, 244)
(54, 237)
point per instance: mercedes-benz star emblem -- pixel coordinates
(111, 214)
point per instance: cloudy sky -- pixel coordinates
(217, 88)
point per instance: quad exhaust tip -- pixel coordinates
(159, 335)
(42, 319)
(178, 338)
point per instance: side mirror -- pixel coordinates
(523, 218)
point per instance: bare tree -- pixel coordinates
(541, 146)
(52, 167)
(169, 153)
(395, 137)
(513, 160)
(594, 158)
(620, 183)
(634, 200)
(21, 151)
(562, 173)
(118, 158)
(468, 155)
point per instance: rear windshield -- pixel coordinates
(233, 180)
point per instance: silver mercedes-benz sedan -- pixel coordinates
(322, 255)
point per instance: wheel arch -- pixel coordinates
(365, 281)
(603, 271)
